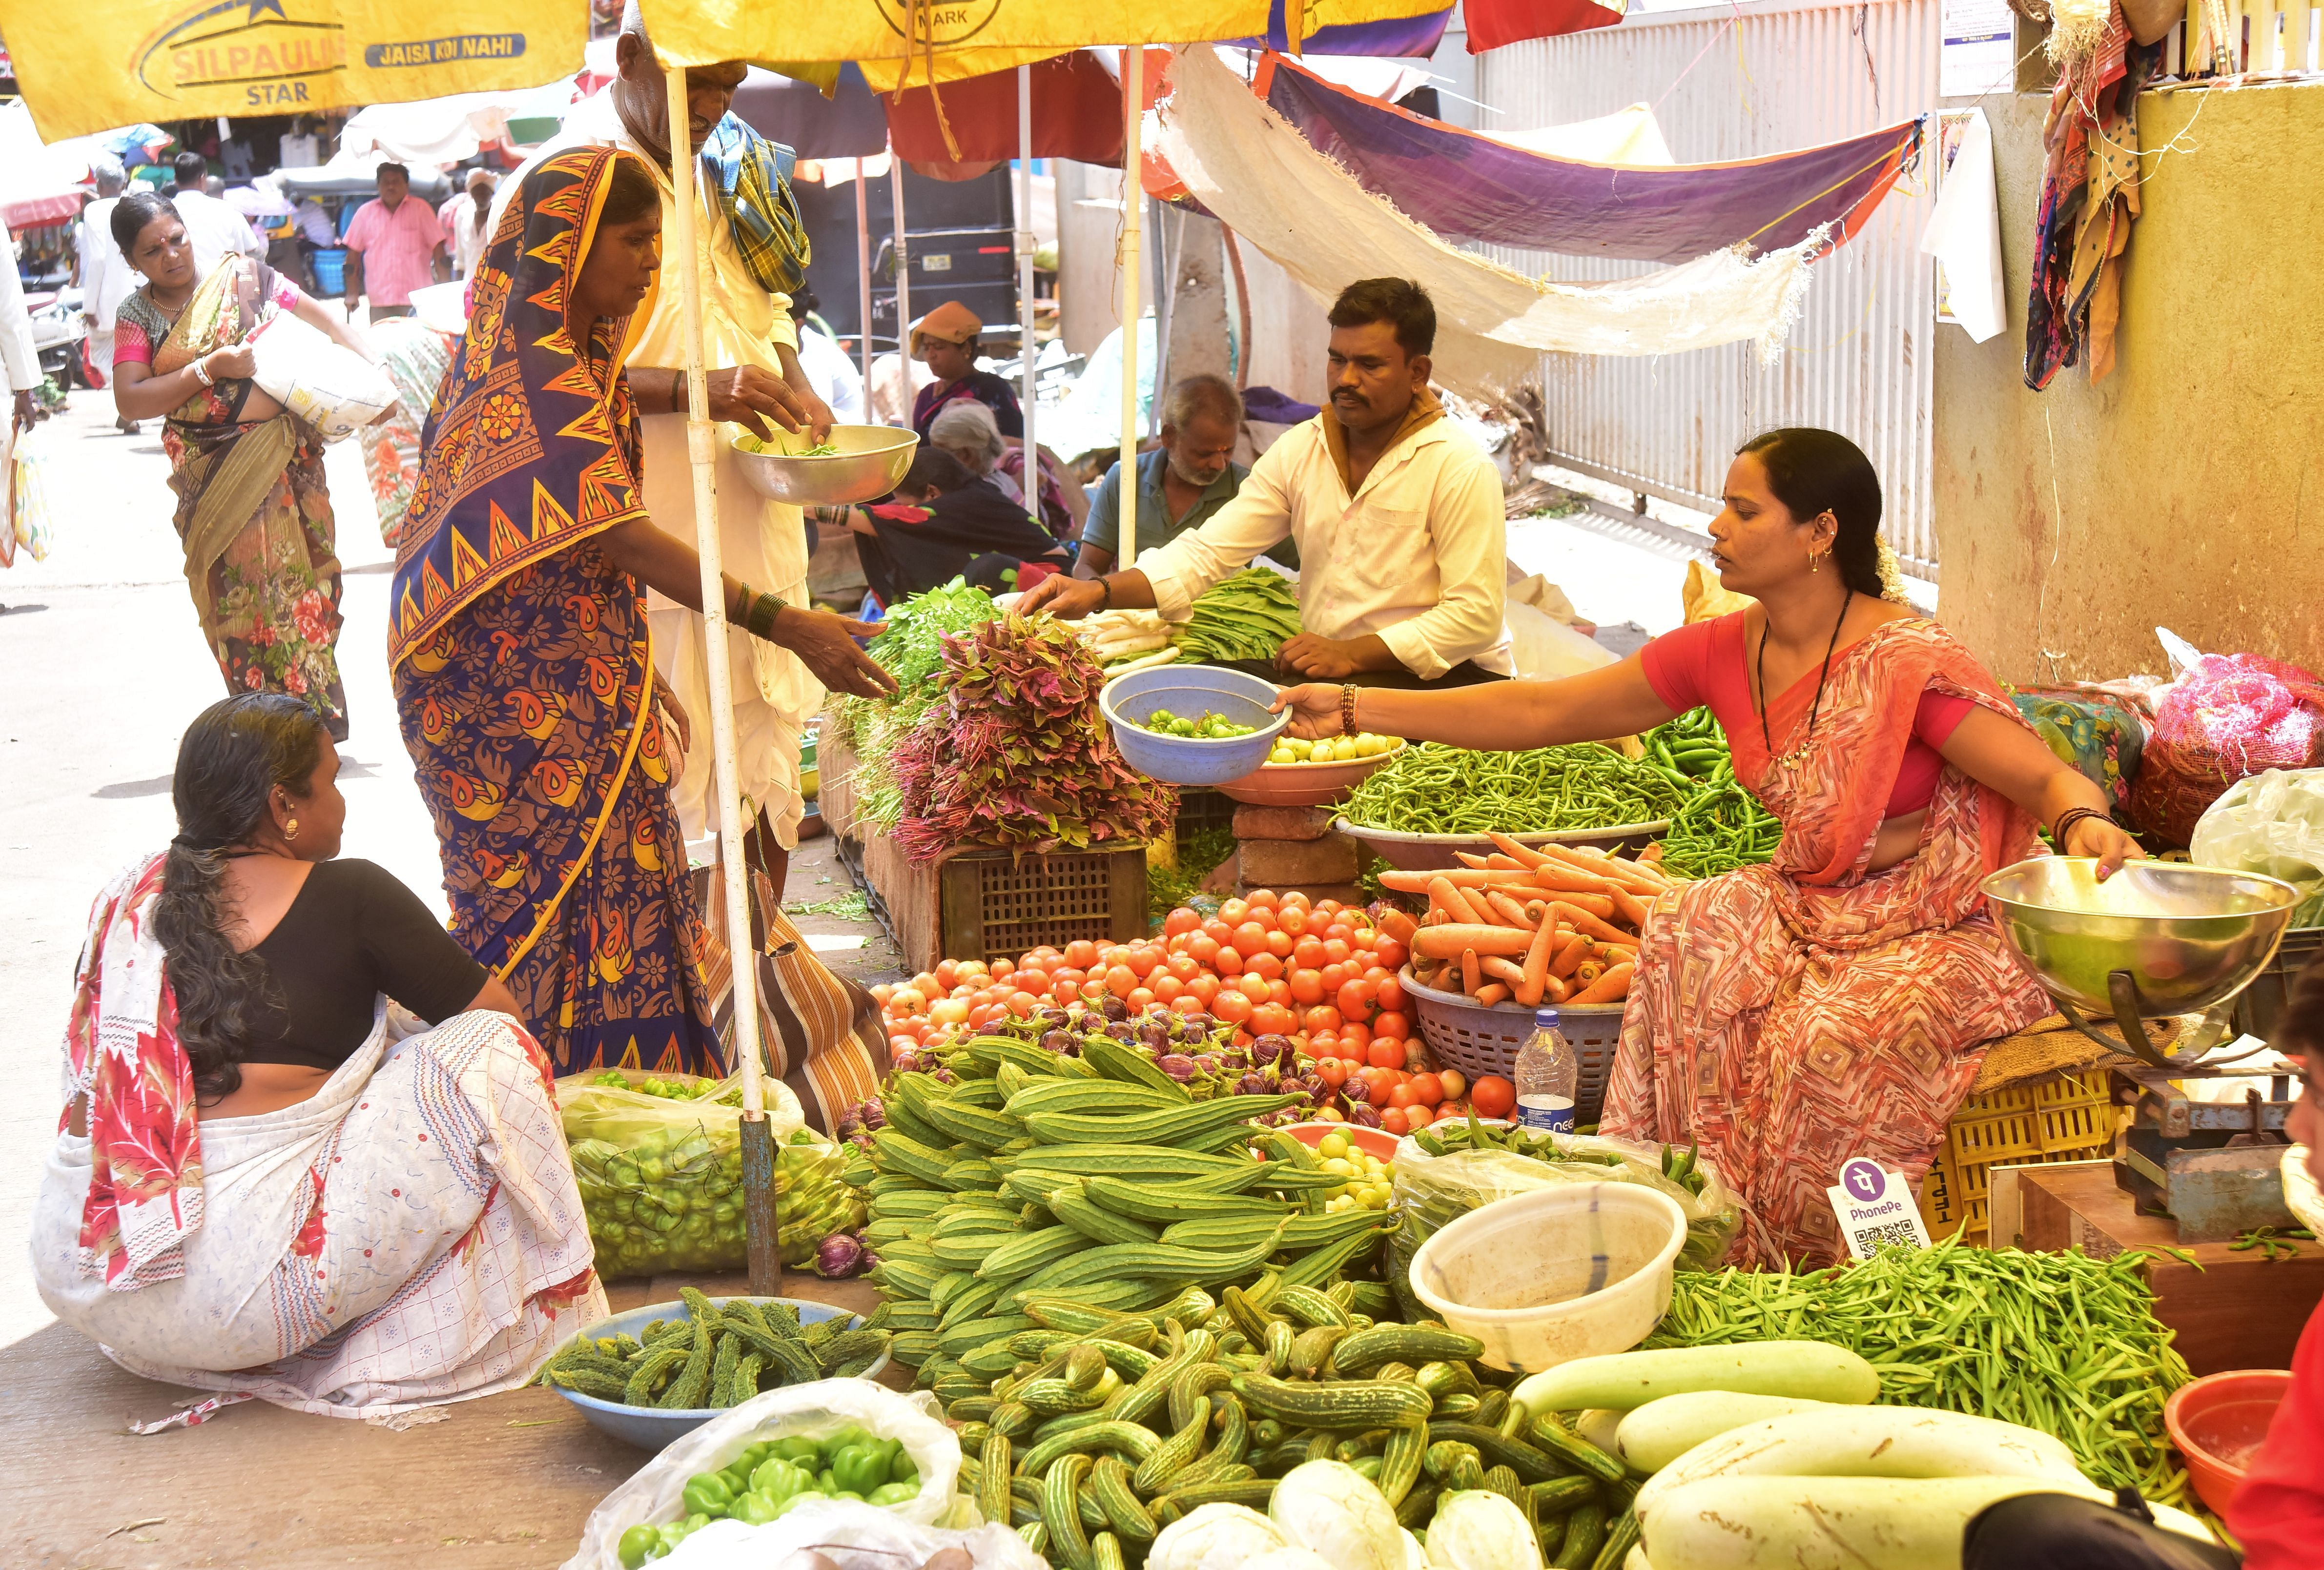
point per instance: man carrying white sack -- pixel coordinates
(756, 385)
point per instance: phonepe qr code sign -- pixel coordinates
(1876, 1209)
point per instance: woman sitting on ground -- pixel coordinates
(267, 1181)
(943, 523)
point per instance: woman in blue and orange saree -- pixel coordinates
(520, 646)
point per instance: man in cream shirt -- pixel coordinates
(1396, 515)
(756, 383)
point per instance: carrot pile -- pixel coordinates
(1557, 924)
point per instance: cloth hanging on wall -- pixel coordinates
(1243, 163)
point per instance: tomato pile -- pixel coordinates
(1323, 975)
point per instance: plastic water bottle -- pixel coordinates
(1547, 1071)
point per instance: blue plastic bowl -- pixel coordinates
(1190, 691)
(650, 1428)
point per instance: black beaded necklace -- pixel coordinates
(1760, 671)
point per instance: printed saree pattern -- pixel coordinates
(523, 665)
(1793, 1015)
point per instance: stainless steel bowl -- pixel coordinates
(2189, 936)
(871, 460)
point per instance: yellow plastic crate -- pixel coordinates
(2059, 1119)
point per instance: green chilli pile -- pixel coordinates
(717, 1356)
(1721, 826)
(1435, 789)
(1249, 616)
(2058, 1342)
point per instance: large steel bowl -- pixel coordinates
(870, 462)
(2188, 936)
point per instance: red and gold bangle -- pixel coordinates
(1348, 709)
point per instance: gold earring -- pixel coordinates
(1815, 563)
(291, 829)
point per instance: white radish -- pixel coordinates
(1813, 1369)
(1654, 1436)
(1901, 1441)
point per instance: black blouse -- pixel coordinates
(353, 932)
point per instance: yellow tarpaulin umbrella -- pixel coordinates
(918, 41)
(86, 66)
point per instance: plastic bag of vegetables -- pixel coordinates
(655, 1496)
(851, 1537)
(1434, 1190)
(662, 1177)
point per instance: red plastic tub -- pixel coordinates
(2218, 1423)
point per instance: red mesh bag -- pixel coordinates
(2230, 716)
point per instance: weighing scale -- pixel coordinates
(2154, 940)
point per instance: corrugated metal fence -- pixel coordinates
(1732, 84)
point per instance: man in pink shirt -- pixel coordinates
(398, 244)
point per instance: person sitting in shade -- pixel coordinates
(943, 523)
(945, 340)
(1181, 484)
(1395, 514)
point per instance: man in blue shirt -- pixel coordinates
(1181, 484)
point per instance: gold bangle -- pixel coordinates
(1348, 709)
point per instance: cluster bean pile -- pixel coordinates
(1434, 789)
(2058, 1342)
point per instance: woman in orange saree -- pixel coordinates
(520, 646)
(1834, 1002)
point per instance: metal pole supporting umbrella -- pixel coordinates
(1133, 112)
(864, 283)
(903, 278)
(1025, 242)
(757, 1140)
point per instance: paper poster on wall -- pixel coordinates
(1978, 56)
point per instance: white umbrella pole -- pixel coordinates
(864, 283)
(903, 277)
(1133, 113)
(1025, 243)
(758, 1144)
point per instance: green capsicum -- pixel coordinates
(638, 1544)
(806, 1452)
(777, 1479)
(709, 1493)
(796, 1501)
(895, 1493)
(860, 1468)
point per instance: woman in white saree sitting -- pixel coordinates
(267, 1181)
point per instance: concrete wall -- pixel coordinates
(2184, 490)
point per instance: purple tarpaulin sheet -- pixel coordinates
(1466, 186)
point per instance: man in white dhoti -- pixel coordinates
(756, 241)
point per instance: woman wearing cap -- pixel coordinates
(945, 340)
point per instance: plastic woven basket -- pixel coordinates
(1478, 1040)
(2064, 1118)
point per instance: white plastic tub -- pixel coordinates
(1541, 1279)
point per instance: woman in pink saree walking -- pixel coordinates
(1834, 1002)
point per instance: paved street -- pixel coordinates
(105, 664)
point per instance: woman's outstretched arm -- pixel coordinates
(1492, 716)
